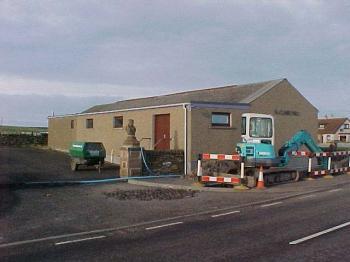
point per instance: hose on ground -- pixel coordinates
(149, 170)
(94, 181)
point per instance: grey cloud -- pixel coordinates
(33, 110)
(177, 45)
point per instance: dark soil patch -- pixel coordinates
(27, 164)
(151, 194)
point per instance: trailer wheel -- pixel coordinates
(297, 176)
(73, 165)
(99, 166)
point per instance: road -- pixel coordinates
(312, 227)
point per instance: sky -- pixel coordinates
(65, 56)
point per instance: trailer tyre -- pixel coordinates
(297, 176)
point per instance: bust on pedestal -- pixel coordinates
(130, 153)
(131, 140)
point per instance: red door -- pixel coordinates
(162, 132)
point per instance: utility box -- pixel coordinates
(86, 153)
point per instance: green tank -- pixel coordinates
(86, 153)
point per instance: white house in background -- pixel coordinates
(333, 130)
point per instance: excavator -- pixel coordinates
(258, 142)
(257, 150)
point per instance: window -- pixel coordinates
(346, 126)
(118, 122)
(260, 127)
(243, 127)
(329, 138)
(89, 123)
(342, 138)
(220, 119)
(72, 124)
(321, 126)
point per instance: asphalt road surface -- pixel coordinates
(313, 227)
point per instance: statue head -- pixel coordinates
(130, 122)
(130, 128)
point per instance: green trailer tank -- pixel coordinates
(86, 153)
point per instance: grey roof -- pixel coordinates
(227, 94)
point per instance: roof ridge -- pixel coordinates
(196, 90)
(269, 85)
(333, 118)
(252, 92)
(177, 93)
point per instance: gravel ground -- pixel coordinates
(151, 194)
(39, 212)
(24, 164)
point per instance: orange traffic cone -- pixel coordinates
(261, 183)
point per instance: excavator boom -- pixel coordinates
(301, 138)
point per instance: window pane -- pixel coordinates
(220, 119)
(89, 123)
(118, 122)
(260, 127)
(72, 124)
(243, 128)
(93, 146)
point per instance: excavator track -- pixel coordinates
(281, 175)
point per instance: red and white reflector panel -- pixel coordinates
(340, 153)
(208, 156)
(221, 179)
(319, 173)
(332, 171)
(339, 170)
(321, 154)
(301, 153)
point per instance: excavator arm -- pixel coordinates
(301, 138)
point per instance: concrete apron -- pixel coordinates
(200, 187)
(196, 186)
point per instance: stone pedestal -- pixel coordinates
(130, 161)
(130, 153)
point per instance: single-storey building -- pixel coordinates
(198, 121)
(334, 130)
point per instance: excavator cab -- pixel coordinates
(258, 139)
(257, 128)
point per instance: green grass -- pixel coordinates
(19, 129)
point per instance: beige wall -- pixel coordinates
(208, 139)
(282, 98)
(112, 138)
(201, 136)
(278, 100)
(60, 132)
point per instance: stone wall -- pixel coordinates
(164, 162)
(22, 139)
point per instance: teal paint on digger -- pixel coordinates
(255, 150)
(256, 154)
(301, 138)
